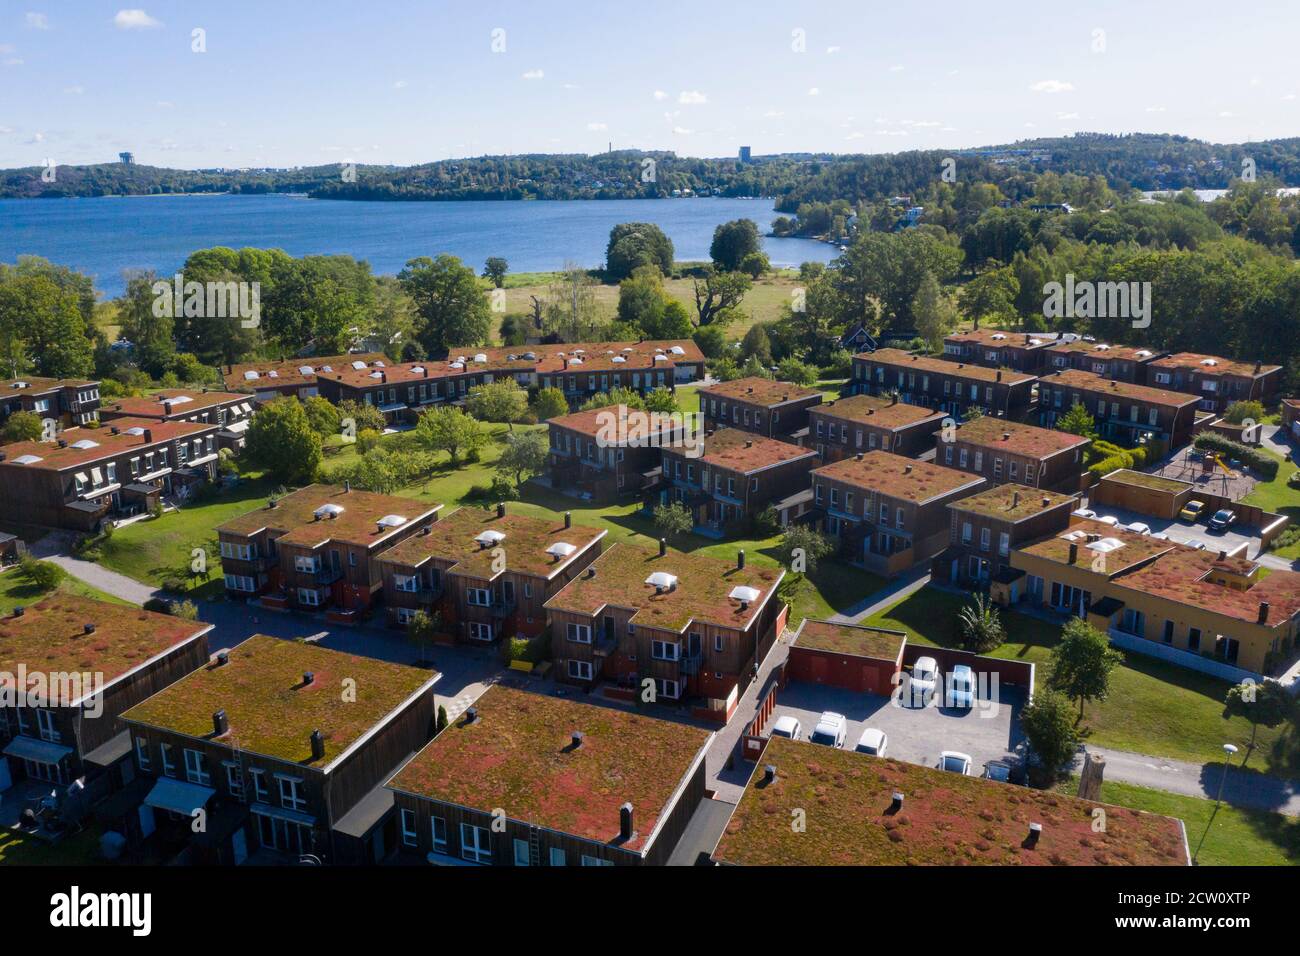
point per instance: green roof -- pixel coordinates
(1012, 502)
(295, 517)
(1141, 479)
(853, 639)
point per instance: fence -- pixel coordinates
(752, 740)
(1206, 665)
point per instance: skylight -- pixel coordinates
(85, 444)
(561, 549)
(27, 459)
(358, 365)
(662, 580)
(490, 537)
(250, 375)
(329, 509)
(746, 594)
(391, 521)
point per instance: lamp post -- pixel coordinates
(1228, 750)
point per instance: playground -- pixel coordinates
(1206, 471)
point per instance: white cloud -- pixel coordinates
(1067, 116)
(774, 114)
(1289, 96)
(596, 127)
(1052, 86)
(896, 68)
(854, 136)
(165, 104)
(813, 91)
(681, 131)
(1226, 113)
(832, 50)
(135, 20)
(74, 90)
(1155, 109)
(400, 85)
(6, 130)
(692, 98)
(534, 75)
(572, 86)
(37, 138)
(16, 61)
(37, 21)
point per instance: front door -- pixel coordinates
(6, 781)
(239, 846)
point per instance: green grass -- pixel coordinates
(1236, 837)
(1277, 497)
(15, 591)
(79, 850)
(1153, 707)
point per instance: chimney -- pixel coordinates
(88, 628)
(575, 740)
(740, 560)
(220, 723)
(859, 456)
(270, 503)
(591, 570)
(471, 715)
(1258, 366)
(893, 398)
(19, 611)
(222, 657)
(317, 745)
(1046, 501)
(347, 485)
(568, 519)
(1006, 436)
(999, 378)
(501, 509)
(748, 443)
(907, 469)
(769, 773)
(308, 678)
(896, 801)
(1015, 499)
(1263, 613)
(148, 435)
(1223, 555)
(1035, 831)
(383, 376)
(626, 830)
(663, 547)
(1074, 552)
(426, 372)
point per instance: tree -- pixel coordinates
(755, 264)
(756, 344)
(1266, 702)
(990, 295)
(732, 242)
(323, 416)
(42, 324)
(447, 428)
(375, 471)
(494, 270)
(550, 403)
(633, 244)
(524, 455)
(449, 301)
(1050, 731)
(499, 401)
(672, 322)
(422, 629)
(615, 396)
(363, 416)
(673, 520)
(514, 329)
(718, 293)
(661, 399)
(1082, 663)
(392, 318)
(22, 426)
(152, 336)
(281, 439)
(711, 339)
(932, 313)
(641, 297)
(1238, 412)
(42, 575)
(802, 547)
(1077, 421)
(981, 625)
(793, 370)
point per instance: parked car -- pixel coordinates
(873, 742)
(830, 729)
(1196, 543)
(955, 762)
(1222, 520)
(1084, 513)
(787, 726)
(1109, 519)
(998, 770)
(1193, 511)
(1138, 527)
(925, 674)
(961, 687)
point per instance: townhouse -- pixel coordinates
(1124, 363)
(1165, 599)
(986, 526)
(734, 479)
(1124, 413)
(758, 405)
(582, 370)
(273, 743)
(887, 512)
(847, 426)
(607, 453)
(290, 378)
(317, 548)
(233, 411)
(1003, 450)
(1217, 382)
(486, 575)
(579, 784)
(89, 475)
(877, 811)
(951, 387)
(686, 624)
(993, 348)
(70, 666)
(69, 402)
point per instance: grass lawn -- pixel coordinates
(79, 850)
(16, 591)
(1153, 708)
(1277, 497)
(1237, 837)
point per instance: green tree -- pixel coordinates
(500, 401)
(757, 344)
(793, 370)
(41, 575)
(422, 629)
(322, 416)
(990, 296)
(718, 293)
(524, 455)
(634, 244)
(932, 313)
(362, 415)
(549, 403)
(661, 399)
(392, 317)
(981, 625)
(447, 428)
(755, 264)
(732, 242)
(1050, 731)
(1267, 703)
(22, 426)
(494, 270)
(451, 307)
(673, 520)
(281, 440)
(615, 396)
(152, 336)
(711, 339)
(802, 547)
(672, 322)
(42, 324)
(1238, 412)
(1082, 663)
(641, 297)
(1077, 421)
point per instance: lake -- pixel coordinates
(105, 236)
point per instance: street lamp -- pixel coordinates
(1228, 750)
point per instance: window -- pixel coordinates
(259, 785)
(581, 633)
(1194, 639)
(408, 827)
(528, 590)
(557, 856)
(665, 651)
(291, 796)
(1029, 473)
(984, 539)
(947, 454)
(718, 643)
(46, 726)
(309, 597)
(966, 532)
(168, 765)
(479, 631)
(195, 770)
(668, 689)
(521, 852)
(406, 582)
(234, 780)
(1012, 468)
(580, 670)
(1004, 543)
(474, 845)
(479, 597)
(240, 582)
(306, 563)
(438, 826)
(142, 753)
(595, 861)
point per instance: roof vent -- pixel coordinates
(626, 830)
(88, 628)
(769, 774)
(1035, 831)
(222, 657)
(576, 739)
(220, 723)
(19, 611)
(308, 678)
(471, 715)
(896, 801)
(317, 745)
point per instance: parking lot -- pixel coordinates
(916, 734)
(1237, 537)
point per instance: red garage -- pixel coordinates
(862, 659)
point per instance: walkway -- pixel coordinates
(886, 597)
(54, 548)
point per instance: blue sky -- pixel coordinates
(286, 83)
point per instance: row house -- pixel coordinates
(738, 475)
(486, 575)
(986, 526)
(580, 784)
(272, 744)
(402, 391)
(1124, 413)
(887, 512)
(89, 475)
(952, 387)
(69, 402)
(993, 348)
(582, 370)
(1196, 604)
(317, 548)
(758, 405)
(1002, 450)
(693, 624)
(862, 423)
(83, 663)
(1124, 363)
(233, 411)
(607, 453)
(1217, 382)
(289, 378)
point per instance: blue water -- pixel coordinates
(104, 237)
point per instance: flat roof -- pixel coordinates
(289, 371)
(271, 711)
(51, 636)
(743, 451)
(1118, 549)
(357, 522)
(105, 444)
(758, 391)
(1001, 338)
(899, 359)
(946, 818)
(619, 423)
(1017, 438)
(1188, 576)
(701, 592)
(525, 543)
(184, 402)
(855, 640)
(1102, 350)
(1141, 479)
(897, 476)
(518, 754)
(1012, 502)
(1100, 385)
(877, 410)
(1198, 362)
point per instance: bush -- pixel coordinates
(43, 575)
(1048, 723)
(503, 489)
(1256, 460)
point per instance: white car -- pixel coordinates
(925, 675)
(830, 730)
(1138, 527)
(787, 726)
(873, 742)
(1109, 519)
(1084, 513)
(955, 762)
(961, 687)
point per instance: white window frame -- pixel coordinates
(407, 825)
(475, 843)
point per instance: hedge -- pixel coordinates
(1257, 460)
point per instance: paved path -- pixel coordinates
(55, 547)
(886, 597)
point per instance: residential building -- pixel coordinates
(986, 526)
(857, 338)
(951, 387)
(847, 426)
(233, 411)
(607, 453)
(1290, 409)
(1124, 413)
(887, 512)
(89, 475)
(693, 624)
(1003, 450)
(294, 377)
(317, 548)
(736, 477)
(993, 348)
(1124, 363)
(582, 370)
(758, 405)
(69, 402)
(579, 784)
(1216, 381)
(486, 574)
(275, 741)
(948, 819)
(404, 390)
(69, 667)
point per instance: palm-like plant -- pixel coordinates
(981, 625)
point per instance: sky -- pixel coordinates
(292, 83)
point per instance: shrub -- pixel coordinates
(503, 489)
(1257, 460)
(43, 575)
